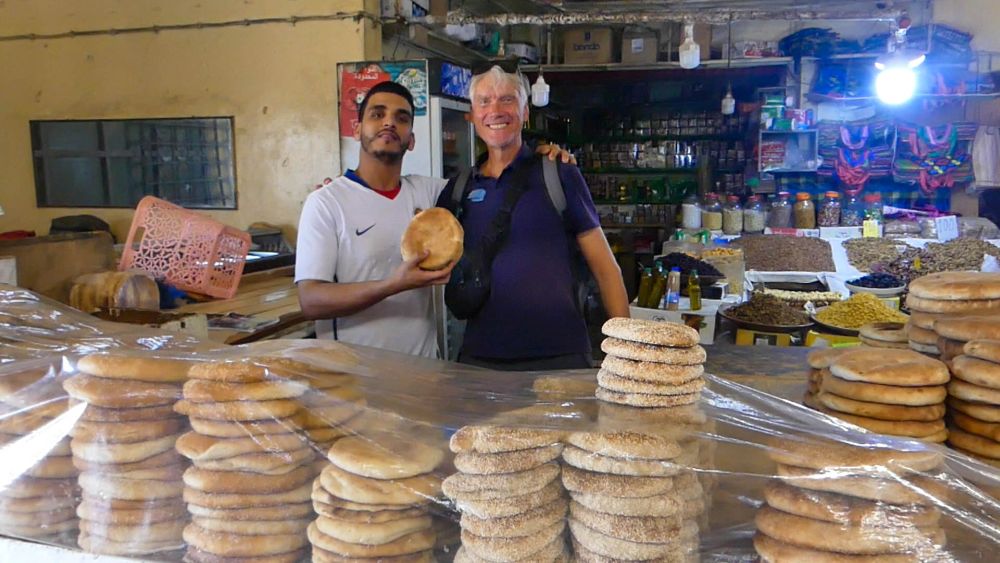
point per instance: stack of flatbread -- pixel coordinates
(249, 488)
(634, 493)
(884, 335)
(954, 332)
(895, 392)
(837, 502)
(508, 490)
(123, 446)
(40, 503)
(948, 294)
(650, 364)
(819, 364)
(974, 401)
(372, 499)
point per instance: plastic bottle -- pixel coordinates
(694, 290)
(645, 287)
(673, 289)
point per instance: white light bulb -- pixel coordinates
(540, 93)
(728, 103)
(690, 52)
(896, 85)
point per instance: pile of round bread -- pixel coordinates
(508, 491)
(885, 335)
(633, 493)
(895, 392)
(123, 445)
(974, 401)
(249, 488)
(948, 294)
(40, 504)
(650, 364)
(836, 502)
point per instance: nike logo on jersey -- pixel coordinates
(360, 232)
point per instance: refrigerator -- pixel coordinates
(444, 140)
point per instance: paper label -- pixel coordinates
(843, 233)
(638, 44)
(792, 232)
(947, 227)
(870, 229)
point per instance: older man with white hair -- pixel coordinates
(531, 319)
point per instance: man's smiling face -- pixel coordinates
(497, 113)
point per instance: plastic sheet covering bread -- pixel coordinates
(315, 451)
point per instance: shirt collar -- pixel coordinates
(523, 154)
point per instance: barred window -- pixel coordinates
(114, 163)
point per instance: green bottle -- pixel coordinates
(694, 290)
(645, 287)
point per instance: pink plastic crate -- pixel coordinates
(185, 249)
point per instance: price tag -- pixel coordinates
(947, 227)
(870, 229)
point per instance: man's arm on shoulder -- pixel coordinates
(326, 300)
(601, 261)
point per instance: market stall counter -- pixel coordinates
(296, 450)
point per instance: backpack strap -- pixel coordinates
(459, 187)
(550, 171)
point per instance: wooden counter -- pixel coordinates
(267, 295)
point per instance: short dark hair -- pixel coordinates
(389, 87)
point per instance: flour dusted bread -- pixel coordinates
(889, 367)
(966, 328)
(136, 368)
(881, 332)
(954, 286)
(988, 350)
(951, 307)
(385, 455)
(880, 411)
(889, 394)
(843, 509)
(651, 332)
(822, 358)
(200, 447)
(976, 371)
(497, 439)
(437, 232)
(114, 393)
(499, 485)
(821, 454)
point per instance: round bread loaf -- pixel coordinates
(499, 485)
(981, 411)
(39, 519)
(253, 527)
(107, 487)
(976, 371)
(847, 510)
(246, 370)
(646, 399)
(100, 414)
(626, 444)
(167, 530)
(612, 382)
(200, 447)
(12, 383)
(966, 328)
(234, 482)
(135, 367)
(883, 344)
(975, 426)
(583, 555)
(506, 462)
(684, 540)
(136, 547)
(966, 391)
(247, 500)
(518, 525)
(880, 411)
(94, 509)
(34, 505)
(509, 506)
(385, 455)
(883, 332)
(590, 461)
(820, 453)
(988, 350)
(377, 533)
(622, 486)
(673, 335)
(242, 545)
(99, 452)
(512, 548)
(921, 336)
(926, 320)
(412, 490)
(821, 358)
(497, 439)
(930, 431)
(862, 540)
(320, 555)
(53, 467)
(437, 232)
(952, 286)
(682, 504)
(930, 350)
(244, 428)
(206, 391)
(412, 543)
(276, 463)
(115, 393)
(889, 394)
(889, 367)
(239, 410)
(950, 349)
(651, 372)
(292, 511)
(913, 490)
(639, 351)
(166, 458)
(951, 307)
(127, 432)
(773, 550)
(978, 445)
(643, 529)
(195, 555)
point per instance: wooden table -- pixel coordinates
(270, 294)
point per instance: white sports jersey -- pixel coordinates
(350, 233)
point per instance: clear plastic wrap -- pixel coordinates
(292, 450)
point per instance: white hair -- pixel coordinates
(498, 76)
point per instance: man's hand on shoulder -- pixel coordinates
(409, 275)
(554, 151)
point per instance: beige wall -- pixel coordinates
(278, 81)
(978, 17)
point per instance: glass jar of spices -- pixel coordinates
(780, 216)
(828, 214)
(852, 211)
(754, 215)
(691, 213)
(711, 213)
(805, 211)
(732, 216)
(873, 207)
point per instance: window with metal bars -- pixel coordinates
(114, 163)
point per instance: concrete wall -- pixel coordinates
(277, 80)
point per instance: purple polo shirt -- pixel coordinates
(531, 311)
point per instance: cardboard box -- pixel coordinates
(639, 47)
(703, 37)
(588, 45)
(439, 7)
